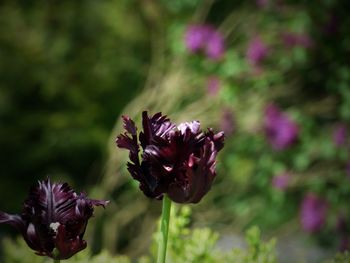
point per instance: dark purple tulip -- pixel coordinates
(205, 38)
(177, 161)
(54, 219)
(339, 135)
(280, 130)
(281, 181)
(256, 51)
(313, 213)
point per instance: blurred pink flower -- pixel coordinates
(256, 51)
(294, 39)
(281, 181)
(227, 123)
(280, 130)
(313, 213)
(213, 85)
(205, 38)
(195, 37)
(339, 135)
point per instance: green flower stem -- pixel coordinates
(164, 229)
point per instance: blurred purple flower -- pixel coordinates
(215, 47)
(281, 181)
(227, 123)
(54, 219)
(339, 135)
(262, 3)
(213, 85)
(294, 39)
(195, 37)
(177, 160)
(205, 38)
(280, 130)
(256, 51)
(313, 213)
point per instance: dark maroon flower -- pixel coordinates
(54, 219)
(339, 135)
(205, 38)
(313, 213)
(256, 51)
(177, 161)
(280, 130)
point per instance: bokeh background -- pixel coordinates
(273, 74)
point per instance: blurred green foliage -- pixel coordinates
(67, 68)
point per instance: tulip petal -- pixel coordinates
(13, 220)
(67, 246)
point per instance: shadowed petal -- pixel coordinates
(67, 246)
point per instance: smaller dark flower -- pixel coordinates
(281, 131)
(313, 213)
(54, 219)
(177, 161)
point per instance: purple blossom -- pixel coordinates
(213, 85)
(339, 135)
(280, 130)
(313, 213)
(294, 39)
(177, 160)
(195, 37)
(281, 181)
(205, 38)
(54, 217)
(256, 51)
